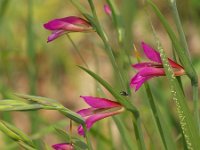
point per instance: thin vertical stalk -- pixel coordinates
(77, 50)
(87, 138)
(31, 48)
(32, 69)
(138, 131)
(109, 50)
(196, 105)
(179, 27)
(124, 49)
(99, 91)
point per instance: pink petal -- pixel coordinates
(137, 81)
(144, 75)
(151, 53)
(107, 9)
(139, 84)
(86, 112)
(137, 78)
(55, 34)
(97, 102)
(63, 146)
(140, 66)
(81, 130)
(68, 23)
(76, 20)
(91, 120)
(54, 24)
(174, 64)
(150, 71)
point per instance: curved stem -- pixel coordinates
(109, 50)
(77, 50)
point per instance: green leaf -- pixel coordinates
(72, 115)
(16, 105)
(38, 102)
(51, 104)
(80, 145)
(26, 146)
(38, 99)
(63, 134)
(14, 133)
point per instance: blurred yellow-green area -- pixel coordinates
(30, 65)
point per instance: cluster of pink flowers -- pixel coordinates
(101, 108)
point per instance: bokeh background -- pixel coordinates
(30, 65)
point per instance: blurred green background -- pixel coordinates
(30, 65)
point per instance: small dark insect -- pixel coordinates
(123, 93)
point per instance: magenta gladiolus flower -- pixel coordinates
(148, 70)
(63, 146)
(100, 109)
(107, 9)
(66, 25)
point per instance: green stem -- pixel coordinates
(117, 20)
(179, 27)
(109, 50)
(138, 131)
(32, 68)
(196, 105)
(77, 50)
(87, 138)
(99, 91)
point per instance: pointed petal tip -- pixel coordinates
(151, 53)
(81, 131)
(97, 102)
(134, 86)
